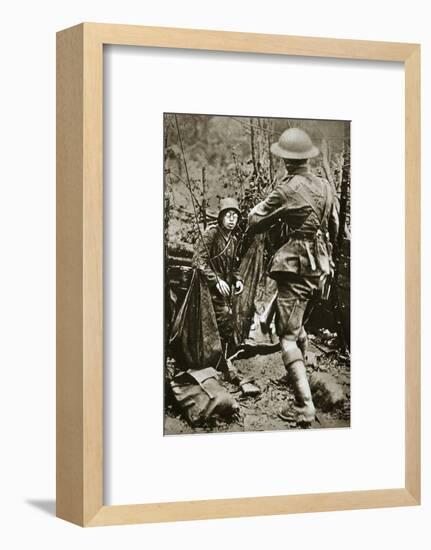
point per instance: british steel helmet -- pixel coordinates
(294, 143)
(228, 203)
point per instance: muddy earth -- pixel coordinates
(261, 412)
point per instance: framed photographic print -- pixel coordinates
(238, 272)
(249, 273)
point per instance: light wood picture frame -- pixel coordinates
(80, 461)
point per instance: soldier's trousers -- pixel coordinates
(224, 317)
(294, 295)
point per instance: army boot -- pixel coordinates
(303, 412)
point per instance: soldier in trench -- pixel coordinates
(216, 257)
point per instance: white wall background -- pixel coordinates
(27, 277)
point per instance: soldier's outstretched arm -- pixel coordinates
(266, 212)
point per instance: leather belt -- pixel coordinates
(306, 235)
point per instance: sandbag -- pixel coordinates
(195, 340)
(327, 393)
(199, 395)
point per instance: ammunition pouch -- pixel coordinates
(325, 284)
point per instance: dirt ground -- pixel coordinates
(260, 413)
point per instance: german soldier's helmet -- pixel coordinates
(294, 143)
(228, 203)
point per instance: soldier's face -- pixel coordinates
(229, 220)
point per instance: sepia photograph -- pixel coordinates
(256, 273)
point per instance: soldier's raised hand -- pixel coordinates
(223, 288)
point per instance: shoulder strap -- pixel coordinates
(322, 217)
(224, 249)
(309, 199)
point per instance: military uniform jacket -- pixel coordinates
(217, 258)
(307, 205)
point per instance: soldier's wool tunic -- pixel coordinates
(306, 204)
(216, 257)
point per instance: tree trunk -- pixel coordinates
(253, 157)
(338, 304)
(271, 167)
(204, 198)
(345, 181)
(326, 162)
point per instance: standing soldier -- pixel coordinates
(216, 257)
(306, 204)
